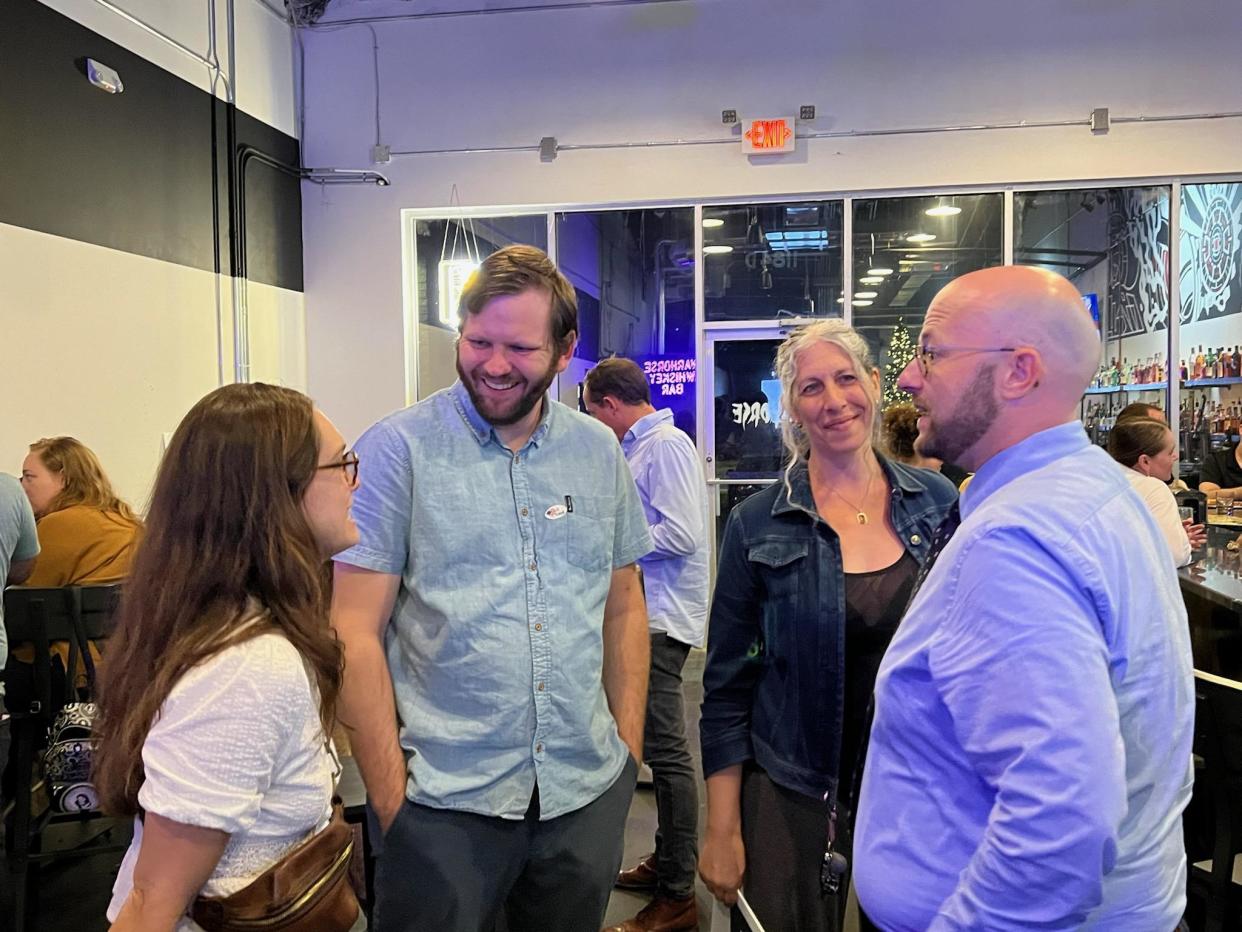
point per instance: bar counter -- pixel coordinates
(1212, 587)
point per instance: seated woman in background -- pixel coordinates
(220, 694)
(87, 534)
(814, 575)
(900, 429)
(1147, 447)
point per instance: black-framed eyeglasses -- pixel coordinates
(926, 355)
(347, 464)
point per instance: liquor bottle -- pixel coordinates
(1199, 363)
(1160, 373)
(1211, 372)
(1182, 372)
(1237, 363)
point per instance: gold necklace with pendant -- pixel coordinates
(860, 515)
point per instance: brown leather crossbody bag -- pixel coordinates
(307, 890)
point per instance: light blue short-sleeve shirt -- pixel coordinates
(496, 640)
(19, 541)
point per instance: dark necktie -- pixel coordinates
(952, 521)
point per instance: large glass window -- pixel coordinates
(768, 261)
(445, 253)
(1210, 334)
(633, 272)
(1113, 244)
(905, 250)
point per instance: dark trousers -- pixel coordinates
(459, 872)
(667, 752)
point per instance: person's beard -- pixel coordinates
(516, 410)
(977, 410)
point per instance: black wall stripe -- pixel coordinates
(134, 171)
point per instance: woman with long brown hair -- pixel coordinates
(222, 677)
(87, 533)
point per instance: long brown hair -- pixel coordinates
(85, 481)
(225, 529)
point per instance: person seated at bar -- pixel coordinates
(87, 533)
(1222, 471)
(1148, 450)
(813, 576)
(216, 707)
(901, 427)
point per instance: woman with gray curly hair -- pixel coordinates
(814, 574)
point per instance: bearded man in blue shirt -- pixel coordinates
(494, 629)
(1030, 756)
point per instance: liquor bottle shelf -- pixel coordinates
(1131, 387)
(1212, 383)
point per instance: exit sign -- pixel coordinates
(768, 136)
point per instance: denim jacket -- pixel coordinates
(774, 685)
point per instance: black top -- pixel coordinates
(874, 604)
(1222, 468)
(953, 473)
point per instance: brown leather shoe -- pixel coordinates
(642, 876)
(663, 915)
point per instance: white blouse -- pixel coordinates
(1164, 507)
(238, 746)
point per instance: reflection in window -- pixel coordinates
(633, 271)
(1113, 244)
(445, 253)
(768, 261)
(905, 250)
(1210, 321)
(747, 410)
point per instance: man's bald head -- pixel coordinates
(1026, 306)
(1011, 351)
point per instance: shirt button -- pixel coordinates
(539, 748)
(540, 687)
(538, 626)
(532, 566)
(915, 539)
(517, 457)
(525, 512)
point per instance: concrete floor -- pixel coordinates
(73, 895)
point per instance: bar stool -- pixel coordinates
(1218, 744)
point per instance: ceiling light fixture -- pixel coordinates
(879, 270)
(712, 223)
(858, 303)
(718, 250)
(871, 280)
(865, 294)
(943, 210)
(345, 176)
(920, 237)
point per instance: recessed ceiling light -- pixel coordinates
(711, 223)
(857, 303)
(871, 280)
(943, 210)
(865, 294)
(879, 270)
(920, 237)
(840, 300)
(718, 250)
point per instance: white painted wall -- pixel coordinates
(664, 72)
(114, 348)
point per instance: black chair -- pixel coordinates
(35, 694)
(1218, 797)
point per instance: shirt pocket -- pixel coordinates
(589, 532)
(781, 566)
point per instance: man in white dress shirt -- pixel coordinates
(670, 483)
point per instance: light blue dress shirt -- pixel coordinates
(495, 644)
(673, 491)
(1031, 751)
(19, 541)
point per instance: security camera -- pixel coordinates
(103, 77)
